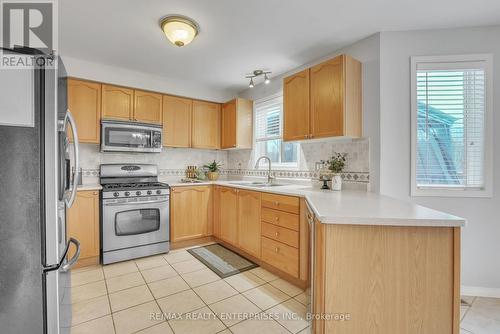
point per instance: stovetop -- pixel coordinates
(134, 186)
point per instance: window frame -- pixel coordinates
(442, 191)
(275, 166)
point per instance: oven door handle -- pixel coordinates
(127, 203)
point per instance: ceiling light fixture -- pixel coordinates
(258, 73)
(180, 30)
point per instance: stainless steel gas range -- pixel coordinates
(135, 214)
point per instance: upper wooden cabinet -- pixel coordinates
(84, 102)
(237, 124)
(177, 121)
(205, 125)
(83, 225)
(249, 226)
(131, 105)
(333, 89)
(296, 104)
(147, 107)
(191, 212)
(117, 102)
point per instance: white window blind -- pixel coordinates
(451, 109)
(268, 134)
(268, 116)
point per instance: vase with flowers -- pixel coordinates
(336, 165)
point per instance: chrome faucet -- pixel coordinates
(270, 178)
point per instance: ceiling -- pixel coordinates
(240, 36)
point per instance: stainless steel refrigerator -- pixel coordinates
(36, 189)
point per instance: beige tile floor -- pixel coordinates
(134, 296)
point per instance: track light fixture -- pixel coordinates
(258, 73)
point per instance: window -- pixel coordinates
(268, 134)
(451, 126)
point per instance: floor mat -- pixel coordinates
(222, 261)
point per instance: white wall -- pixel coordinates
(121, 76)
(481, 238)
(368, 52)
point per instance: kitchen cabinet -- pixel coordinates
(228, 215)
(416, 272)
(271, 228)
(327, 97)
(83, 225)
(117, 103)
(190, 212)
(205, 125)
(296, 103)
(249, 226)
(84, 102)
(237, 128)
(177, 121)
(147, 107)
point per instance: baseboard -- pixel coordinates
(480, 291)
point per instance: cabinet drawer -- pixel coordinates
(284, 235)
(280, 218)
(281, 256)
(280, 202)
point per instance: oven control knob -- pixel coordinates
(149, 192)
(138, 193)
(116, 194)
(158, 192)
(127, 193)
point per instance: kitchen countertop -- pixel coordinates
(89, 187)
(354, 207)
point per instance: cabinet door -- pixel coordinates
(249, 226)
(205, 125)
(228, 215)
(327, 98)
(84, 102)
(216, 211)
(117, 102)
(176, 121)
(296, 106)
(83, 224)
(228, 138)
(147, 107)
(191, 212)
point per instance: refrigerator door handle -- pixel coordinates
(68, 264)
(76, 175)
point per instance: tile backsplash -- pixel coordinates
(172, 161)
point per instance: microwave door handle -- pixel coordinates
(68, 119)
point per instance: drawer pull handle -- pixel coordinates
(277, 234)
(277, 203)
(277, 218)
(277, 249)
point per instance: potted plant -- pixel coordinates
(213, 170)
(336, 165)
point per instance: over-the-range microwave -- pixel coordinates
(123, 136)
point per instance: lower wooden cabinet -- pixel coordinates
(281, 256)
(228, 215)
(83, 225)
(389, 279)
(190, 212)
(249, 226)
(271, 228)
